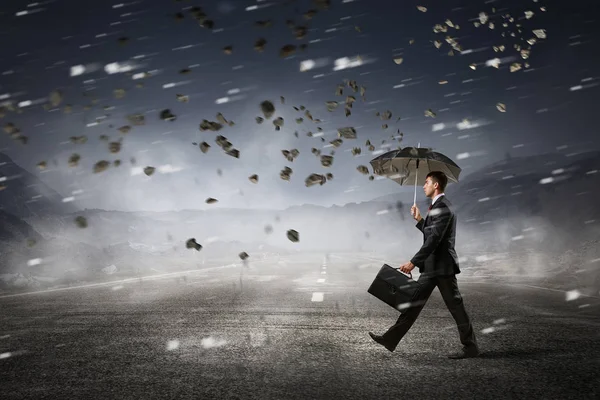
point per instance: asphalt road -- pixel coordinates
(293, 329)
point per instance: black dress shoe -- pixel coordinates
(465, 353)
(381, 341)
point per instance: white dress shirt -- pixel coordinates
(435, 198)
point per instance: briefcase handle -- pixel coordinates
(409, 274)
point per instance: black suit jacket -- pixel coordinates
(437, 256)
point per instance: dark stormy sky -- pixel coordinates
(73, 46)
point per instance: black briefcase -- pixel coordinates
(394, 287)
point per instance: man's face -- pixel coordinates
(428, 187)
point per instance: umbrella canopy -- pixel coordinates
(411, 165)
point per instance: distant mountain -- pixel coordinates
(26, 196)
(17, 241)
(14, 229)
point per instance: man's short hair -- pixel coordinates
(440, 178)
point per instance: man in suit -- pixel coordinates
(438, 265)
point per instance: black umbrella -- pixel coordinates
(403, 166)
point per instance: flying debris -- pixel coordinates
(191, 244)
(323, 5)
(287, 50)
(222, 120)
(356, 151)
(243, 255)
(501, 107)
(182, 98)
(78, 139)
(352, 84)
(42, 165)
(483, 18)
(331, 105)
(149, 170)
(540, 33)
(264, 24)
(223, 142)
(347, 133)
(101, 166)
(398, 60)
(125, 129)
(439, 28)
(290, 155)
(293, 235)
(74, 160)
(422, 9)
(278, 122)
(81, 222)
(259, 120)
(166, 115)
(300, 32)
(114, 147)
(207, 125)
(55, 98)
(267, 108)
(228, 50)
(362, 169)
(286, 173)
(210, 200)
(336, 142)
(514, 67)
(309, 14)
(429, 113)
(204, 147)
(386, 115)
(136, 119)
(314, 179)
(326, 161)
(233, 153)
(259, 45)
(253, 178)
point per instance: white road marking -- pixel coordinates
(317, 296)
(144, 278)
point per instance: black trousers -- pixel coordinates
(448, 287)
